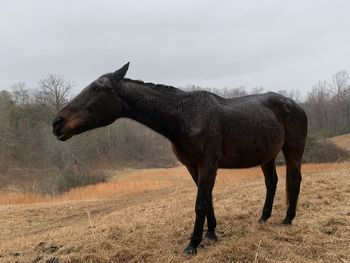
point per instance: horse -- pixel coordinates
(207, 132)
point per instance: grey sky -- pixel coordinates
(274, 44)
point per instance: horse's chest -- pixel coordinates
(187, 154)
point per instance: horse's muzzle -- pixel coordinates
(57, 124)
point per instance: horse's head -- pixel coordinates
(95, 106)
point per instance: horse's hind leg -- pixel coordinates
(269, 170)
(295, 123)
(293, 181)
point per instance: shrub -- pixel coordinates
(320, 151)
(69, 179)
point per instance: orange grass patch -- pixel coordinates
(134, 181)
(108, 190)
(22, 198)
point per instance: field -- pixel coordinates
(147, 216)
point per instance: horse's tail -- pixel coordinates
(287, 191)
(296, 124)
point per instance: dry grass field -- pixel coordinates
(147, 216)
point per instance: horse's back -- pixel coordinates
(255, 128)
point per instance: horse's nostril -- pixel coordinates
(57, 122)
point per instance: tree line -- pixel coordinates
(26, 139)
(328, 106)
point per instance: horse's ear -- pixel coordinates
(120, 73)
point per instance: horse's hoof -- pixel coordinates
(287, 222)
(262, 220)
(190, 251)
(211, 236)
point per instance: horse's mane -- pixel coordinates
(159, 87)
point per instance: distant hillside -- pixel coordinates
(342, 141)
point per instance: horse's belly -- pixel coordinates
(246, 161)
(251, 151)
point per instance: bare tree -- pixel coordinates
(318, 106)
(340, 87)
(257, 90)
(293, 94)
(20, 93)
(53, 91)
(340, 83)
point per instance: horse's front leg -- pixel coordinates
(211, 220)
(206, 180)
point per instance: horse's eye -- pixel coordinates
(95, 88)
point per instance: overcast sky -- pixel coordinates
(274, 44)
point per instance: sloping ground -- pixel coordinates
(342, 141)
(128, 182)
(155, 225)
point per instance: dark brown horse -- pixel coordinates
(207, 132)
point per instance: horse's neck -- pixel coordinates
(154, 106)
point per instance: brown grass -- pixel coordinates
(147, 223)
